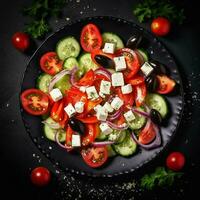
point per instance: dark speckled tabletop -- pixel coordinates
(19, 154)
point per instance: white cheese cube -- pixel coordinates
(102, 114)
(102, 95)
(108, 107)
(109, 48)
(76, 140)
(79, 106)
(105, 128)
(117, 103)
(96, 108)
(120, 63)
(56, 94)
(69, 109)
(146, 69)
(92, 93)
(105, 87)
(82, 89)
(126, 89)
(117, 79)
(129, 116)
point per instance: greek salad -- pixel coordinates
(100, 96)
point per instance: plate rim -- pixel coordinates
(180, 107)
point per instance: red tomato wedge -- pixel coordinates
(64, 120)
(90, 38)
(165, 84)
(135, 80)
(140, 94)
(50, 63)
(87, 79)
(69, 133)
(89, 120)
(57, 111)
(132, 61)
(147, 136)
(95, 156)
(92, 131)
(35, 102)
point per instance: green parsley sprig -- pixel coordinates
(39, 13)
(160, 178)
(150, 9)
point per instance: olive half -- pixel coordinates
(158, 67)
(151, 82)
(104, 61)
(155, 116)
(134, 41)
(76, 125)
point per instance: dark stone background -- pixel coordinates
(18, 153)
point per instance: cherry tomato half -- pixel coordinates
(140, 94)
(40, 176)
(50, 63)
(95, 156)
(35, 102)
(175, 161)
(90, 38)
(21, 41)
(57, 111)
(160, 26)
(165, 84)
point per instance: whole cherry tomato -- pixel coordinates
(21, 41)
(175, 161)
(40, 176)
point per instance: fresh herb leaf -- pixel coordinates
(39, 12)
(150, 9)
(161, 177)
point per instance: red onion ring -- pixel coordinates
(57, 77)
(154, 144)
(116, 127)
(115, 115)
(144, 114)
(58, 142)
(104, 143)
(104, 72)
(72, 77)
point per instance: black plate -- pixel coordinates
(118, 165)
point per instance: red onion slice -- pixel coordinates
(52, 125)
(58, 142)
(115, 115)
(103, 143)
(104, 72)
(57, 77)
(72, 77)
(144, 114)
(154, 144)
(117, 127)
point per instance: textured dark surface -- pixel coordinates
(19, 154)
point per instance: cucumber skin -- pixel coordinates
(39, 82)
(82, 62)
(77, 45)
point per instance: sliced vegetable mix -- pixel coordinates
(100, 101)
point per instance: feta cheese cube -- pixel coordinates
(120, 63)
(129, 116)
(109, 48)
(69, 109)
(92, 92)
(146, 69)
(126, 89)
(117, 103)
(82, 89)
(117, 79)
(79, 106)
(108, 107)
(56, 94)
(96, 108)
(102, 95)
(105, 128)
(76, 140)
(102, 114)
(105, 87)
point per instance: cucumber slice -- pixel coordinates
(43, 82)
(144, 54)
(138, 122)
(102, 136)
(111, 151)
(117, 136)
(67, 47)
(127, 147)
(86, 62)
(70, 63)
(158, 103)
(50, 133)
(113, 38)
(63, 84)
